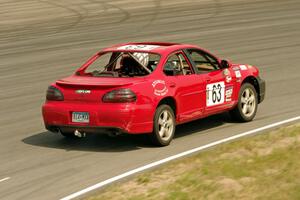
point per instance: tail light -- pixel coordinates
(54, 94)
(119, 96)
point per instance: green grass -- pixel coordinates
(264, 166)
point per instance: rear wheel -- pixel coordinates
(164, 126)
(246, 108)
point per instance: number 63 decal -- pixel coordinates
(215, 93)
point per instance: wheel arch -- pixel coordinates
(170, 101)
(253, 81)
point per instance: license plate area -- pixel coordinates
(80, 117)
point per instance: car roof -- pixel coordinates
(150, 47)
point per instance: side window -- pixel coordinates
(213, 61)
(203, 61)
(177, 65)
(153, 61)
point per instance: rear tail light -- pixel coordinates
(54, 94)
(119, 96)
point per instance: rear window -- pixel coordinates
(123, 64)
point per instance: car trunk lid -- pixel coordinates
(91, 89)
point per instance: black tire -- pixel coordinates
(163, 129)
(246, 107)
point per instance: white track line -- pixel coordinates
(4, 179)
(185, 153)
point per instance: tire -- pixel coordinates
(163, 126)
(246, 108)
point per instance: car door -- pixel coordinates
(218, 82)
(189, 90)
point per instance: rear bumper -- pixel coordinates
(83, 129)
(262, 89)
(103, 118)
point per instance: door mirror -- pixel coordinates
(224, 64)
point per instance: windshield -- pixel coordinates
(123, 64)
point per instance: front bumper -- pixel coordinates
(103, 118)
(262, 89)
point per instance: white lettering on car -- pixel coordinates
(160, 88)
(83, 91)
(228, 94)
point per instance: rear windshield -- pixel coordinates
(123, 64)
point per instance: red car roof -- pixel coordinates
(151, 47)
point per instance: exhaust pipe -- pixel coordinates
(79, 134)
(114, 133)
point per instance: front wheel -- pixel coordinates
(164, 126)
(246, 108)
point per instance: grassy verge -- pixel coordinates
(259, 167)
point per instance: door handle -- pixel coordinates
(208, 80)
(172, 84)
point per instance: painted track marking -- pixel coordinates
(182, 154)
(4, 179)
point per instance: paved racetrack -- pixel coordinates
(43, 40)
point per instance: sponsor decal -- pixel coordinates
(228, 94)
(238, 74)
(215, 93)
(160, 88)
(227, 74)
(243, 67)
(235, 68)
(138, 47)
(228, 79)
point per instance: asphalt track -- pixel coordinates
(43, 40)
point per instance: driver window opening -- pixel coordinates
(203, 62)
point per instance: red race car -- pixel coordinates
(139, 88)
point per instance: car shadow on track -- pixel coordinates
(103, 143)
(202, 124)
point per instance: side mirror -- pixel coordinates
(224, 64)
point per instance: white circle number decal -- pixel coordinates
(215, 93)
(160, 88)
